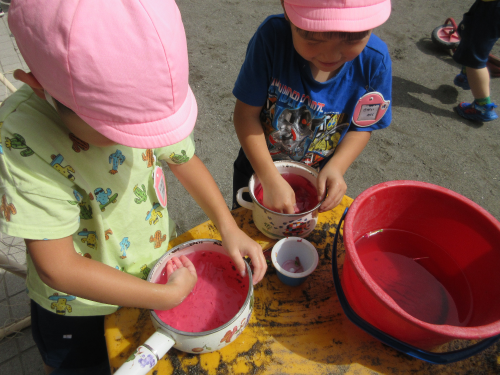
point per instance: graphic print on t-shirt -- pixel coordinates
(296, 128)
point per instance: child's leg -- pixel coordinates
(479, 31)
(242, 172)
(69, 343)
(479, 82)
(461, 79)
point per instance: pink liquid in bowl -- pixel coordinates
(217, 297)
(306, 195)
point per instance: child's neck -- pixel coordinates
(322, 76)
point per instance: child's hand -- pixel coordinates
(182, 275)
(331, 181)
(279, 196)
(238, 245)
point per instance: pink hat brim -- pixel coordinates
(324, 18)
(152, 134)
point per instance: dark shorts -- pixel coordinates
(70, 342)
(242, 172)
(479, 31)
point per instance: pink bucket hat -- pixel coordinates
(337, 15)
(122, 66)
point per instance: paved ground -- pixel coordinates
(427, 141)
(18, 353)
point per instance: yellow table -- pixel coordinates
(293, 330)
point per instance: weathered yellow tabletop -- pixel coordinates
(293, 330)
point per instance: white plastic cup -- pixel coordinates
(288, 249)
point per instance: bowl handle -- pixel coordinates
(435, 358)
(147, 355)
(241, 201)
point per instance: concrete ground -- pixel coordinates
(18, 353)
(427, 141)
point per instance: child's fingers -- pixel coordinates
(188, 264)
(259, 266)
(177, 262)
(170, 268)
(331, 201)
(289, 209)
(321, 188)
(240, 264)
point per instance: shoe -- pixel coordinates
(475, 112)
(1, 13)
(461, 81)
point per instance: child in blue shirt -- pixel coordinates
(314, 84)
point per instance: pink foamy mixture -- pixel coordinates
(219, 294)
(306, 195)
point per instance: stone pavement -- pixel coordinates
(18, 353)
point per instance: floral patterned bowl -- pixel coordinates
(147, 355)
(278, 225)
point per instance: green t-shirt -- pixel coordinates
(54, 185)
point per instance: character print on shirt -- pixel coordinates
(117, 158)
(86, 255)
(154, 215)
(141, 194)
(124, 245)
(179, 159)
(107, 233)
(66, 171)
(1, 148)
(325, 139)
(296, 127)
(78, 144)
(7, 209)
(149, 157)
(158, 239)
(18, 143)
(85, 210)
(89, 237)
(105, 198)
(61, 303)
(145, 271)
(77, 196)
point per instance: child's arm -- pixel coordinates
(278, 194)
(331, 177)
(62, 268)
(198, 181)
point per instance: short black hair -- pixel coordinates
(62, 108)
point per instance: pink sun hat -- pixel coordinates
(337, 15)
(121, 65)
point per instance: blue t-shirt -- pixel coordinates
(303, 119)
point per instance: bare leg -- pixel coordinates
(479, 82)
(479, 110)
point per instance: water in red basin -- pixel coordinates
(418, 275)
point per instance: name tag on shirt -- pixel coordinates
(369, 109)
